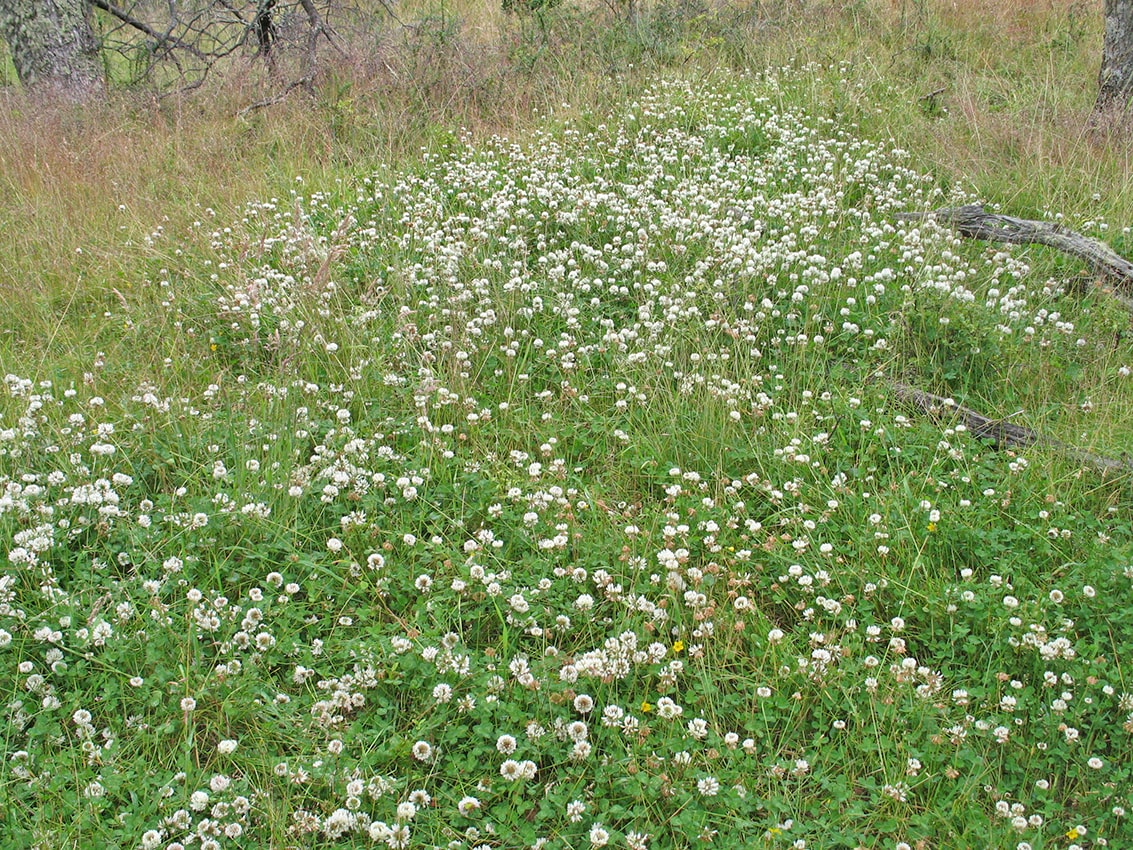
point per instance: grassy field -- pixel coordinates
(501, 447)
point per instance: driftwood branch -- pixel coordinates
(974, 222)
(1001, 433)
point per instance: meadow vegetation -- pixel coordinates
(499, 447)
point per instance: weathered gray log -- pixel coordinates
(1001, 433)
(974, 222)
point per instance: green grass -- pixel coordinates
(541, 483)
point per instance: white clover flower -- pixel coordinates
(506, 744)
(406, 810)
(599, 837)
(667, 709)
(709, 786)
(423, 751)
(338, 823)
(468, 805)
(577, 730)
(898, 791)
(399, 836)
(580, 751)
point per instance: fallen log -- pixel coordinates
(974, 222)
(1001, 433)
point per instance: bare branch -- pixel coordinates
(302, 82)
(162, 40)
(319, 26)
(178, 43)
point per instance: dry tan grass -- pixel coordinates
(81, 189)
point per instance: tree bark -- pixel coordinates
(53, 47)
(1115, 80)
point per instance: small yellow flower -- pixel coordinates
(1072, 834)
(679, 646)
(932, 526)
(646, 707)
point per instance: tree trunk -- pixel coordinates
(53, 47)
(1115, 81)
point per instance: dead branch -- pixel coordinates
(1001, 433)
(176, 44)
(161, 40)
(974, 222)
(302, 82)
